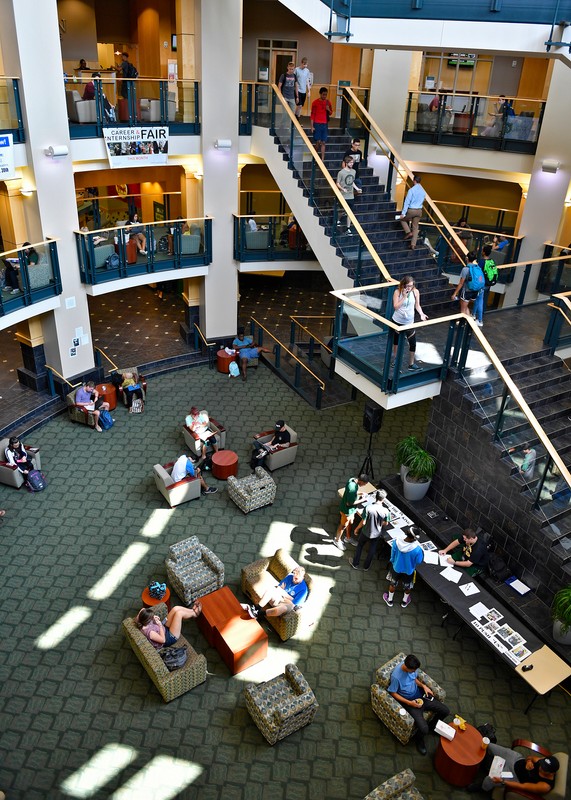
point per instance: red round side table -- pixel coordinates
(148, 600)
(224, 464)
(223, 361)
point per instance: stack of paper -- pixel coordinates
(451, 574)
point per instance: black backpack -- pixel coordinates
(174, 657)
(498, 568)
(132, 71)
(163, 245)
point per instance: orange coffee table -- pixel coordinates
(224, 464)
(457, 761)
(241, 641)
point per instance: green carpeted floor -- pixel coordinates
(89, 544)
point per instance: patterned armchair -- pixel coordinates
(169, 684)
(261, 575)
(253, 491)
(193, 570)
(78, 413)
(399, 786)
(282, 705)
(388, 710)
(194, 442)
(284, 455)
(11, 476)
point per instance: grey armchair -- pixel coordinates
(284, 455)
(11, 475)
(177, 492)
(194, 442)
(193, 570)
(78, 413)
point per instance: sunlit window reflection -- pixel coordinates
(99, 770)
(65, 625)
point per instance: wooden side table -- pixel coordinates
(223, 361)
(457, 761)
(224, 464)
(108, 393)
(148, 600)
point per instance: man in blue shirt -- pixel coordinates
(417, 698)
(289, 594)
(412, 211)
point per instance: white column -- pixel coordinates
(547, 192)
(221, 28)
(31, 48)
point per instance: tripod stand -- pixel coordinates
(367, 466)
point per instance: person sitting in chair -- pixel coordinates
(184, 467)
(287, 595)
(198, 422)
(132, 390)
(534, 774)
(87, 396)
(473, 556)
(246, 350)
(16, 455)
(281, 438)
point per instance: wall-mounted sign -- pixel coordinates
(7, 169)
(134, 147)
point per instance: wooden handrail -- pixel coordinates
(104, 354)
(400, 164)
(293, 355)
(333, 186)
(475, 205)
(52, 369)
(483, 96)
(309, 333)
(489, 351)
(27, 247)
(207, 344)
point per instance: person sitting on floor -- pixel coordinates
(165, 633)
(246, 350)
(289, 594)
(534, 774)
(416, 697)
(184, 466)
(87, 396)
(198, 422)
(473, 556)
(281, 438)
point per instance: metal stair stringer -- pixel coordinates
(263, 146)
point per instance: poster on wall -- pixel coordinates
(7, 169)
(134, 147)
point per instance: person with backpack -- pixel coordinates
(471, 283)
(17, 456)
(87, 397)
(127, 70)
(488, 267)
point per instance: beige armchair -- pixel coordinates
(138, 378)
(169, 684)
(175, 493)
(78, 413)
(253, 491)
(559, 790)
(193, 570)
(388, 710)
(194, 442)
(284, 455)
(79, 110)
(151, 109)
(399, 786)
(282, 705)
(265, 573)
(11, 475)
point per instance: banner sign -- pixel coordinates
(7, 169)
(134, 147)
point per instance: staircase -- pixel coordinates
(545, 383)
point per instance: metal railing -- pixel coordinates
(113, 102)
(110, 254)
(28, 275)
(274, 239)
(491, 219)
(210, 347)
(558, 333)
(555, 273)
(11, 109)
(473, 120)
(450, 263)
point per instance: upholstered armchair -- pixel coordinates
(138, 378)
(253, 491)
(281, 705)
(177, 492)
(169, 684)
(399, 786)
(194, 442)
(559, 790)
(257, 240)
(265, 573)
(388, 710)
(11, 475)
(78, 413)
(79, 110)
(151, 108)
(284, 455)
(190, 244)
(193, 570)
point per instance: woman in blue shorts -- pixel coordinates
(246, 350)
(165, 634)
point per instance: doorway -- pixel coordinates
(280, 60)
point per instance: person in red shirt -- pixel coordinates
(321, 110)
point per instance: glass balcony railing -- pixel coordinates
(558, 334)
(472, 120)
(555, 274)
(28, 274)
(11, 109)
(275, 238)
(97, 103)
(112, 254)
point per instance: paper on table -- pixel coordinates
(479, 610)
(430, 557)
(451, 574)
(444, 561)
(469, 588)
(518, 586)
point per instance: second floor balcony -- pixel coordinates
(28, 275)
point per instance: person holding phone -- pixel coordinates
(406, 300)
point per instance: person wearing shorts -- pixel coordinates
(303, 76)
(165, 633)
(466, 295)
(87, 397)
(406, 554)
(321, 110)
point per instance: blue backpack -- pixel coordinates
(105, 420)
(477, 280)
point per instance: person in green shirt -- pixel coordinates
(347, 507)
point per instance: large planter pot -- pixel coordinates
(562, 638)
(413, 490)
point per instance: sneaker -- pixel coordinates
(479, 324)
(338, 543)
(387, 601)
(349, 232)
(210, 490)
(352, 542)
(252, 612)
(367, 568)
(405, 603)
(355, 566)
(15, 291)
(143, 253)
(414, 367)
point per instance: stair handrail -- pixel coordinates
(400, 165)
(486, 347)
(296, 321)
(558, 308)
(333, 186)
(289, 352)
(114, 366)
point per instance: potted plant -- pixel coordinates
(405, 450)
(561, 614)
(421, 468)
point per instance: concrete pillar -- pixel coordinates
(220, 22)
(389, 91)
(29, 37)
